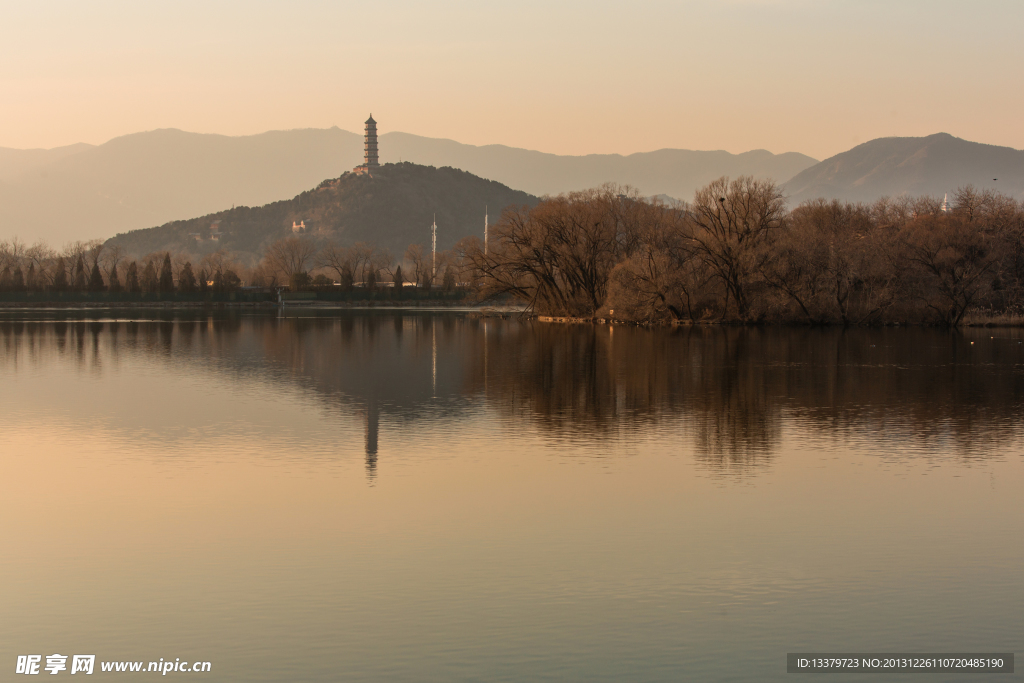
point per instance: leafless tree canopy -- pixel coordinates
(291, 255)
(736, 253)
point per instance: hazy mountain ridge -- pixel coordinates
(931, 165)
(18, 162)
(392, 209)
(146, 179)
(673, 172)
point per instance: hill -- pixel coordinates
(146, 179)
(931, 165)
(392, 209)
(674, 172)
(18, 162)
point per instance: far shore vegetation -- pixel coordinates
(735, 254)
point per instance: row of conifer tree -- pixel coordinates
(81, 278)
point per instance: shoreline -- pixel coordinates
(239, 304)
(974, 321)
(991, 322)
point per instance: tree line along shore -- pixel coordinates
(735, 253)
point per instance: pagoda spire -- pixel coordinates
(370, 160)
(370, 143)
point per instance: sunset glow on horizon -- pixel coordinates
(566, 78)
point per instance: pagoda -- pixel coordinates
(370, 163)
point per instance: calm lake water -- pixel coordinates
(331, 495)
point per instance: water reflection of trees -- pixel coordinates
(729, 391)
(726, 393)
(694, 384)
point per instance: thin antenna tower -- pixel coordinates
(485, 230)
(433, 250)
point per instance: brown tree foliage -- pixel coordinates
(558, 256)
(737, 254)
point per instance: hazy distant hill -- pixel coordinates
(17, 162)
(147, 179)
(930, 165)
(673, 172)
(393, 209)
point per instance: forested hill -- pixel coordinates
(392, 209)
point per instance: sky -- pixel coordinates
(567, 77)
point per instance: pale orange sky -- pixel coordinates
(813, 76)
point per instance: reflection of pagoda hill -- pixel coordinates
(399, 365)
(724, 391)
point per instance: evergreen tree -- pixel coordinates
(60, 275)
(131, 279)
(78, 281)
(204, 283)
(186, 280)
(230, 281)
(96, 279)
(17, 280)
(115, 282)
(371, 279)
(346, 278)
(449, 279)
(149, 282)
(398, 279)
(218, 283)
(166, 284)
(30, 278)
(5, 279)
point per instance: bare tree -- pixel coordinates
(380, 262)
(955, 260)
(362, 254)
(420, 268)
(834, 263)
(732, 225)
(292, 256)
(337, 259)
(558, 255)
(462, 260)
(660, 279)
(112, 256)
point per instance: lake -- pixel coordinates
(318, 495)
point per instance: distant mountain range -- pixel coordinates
(673, 172)
(392, 209)
(931, 165)
(146, 179)
(18, 162)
